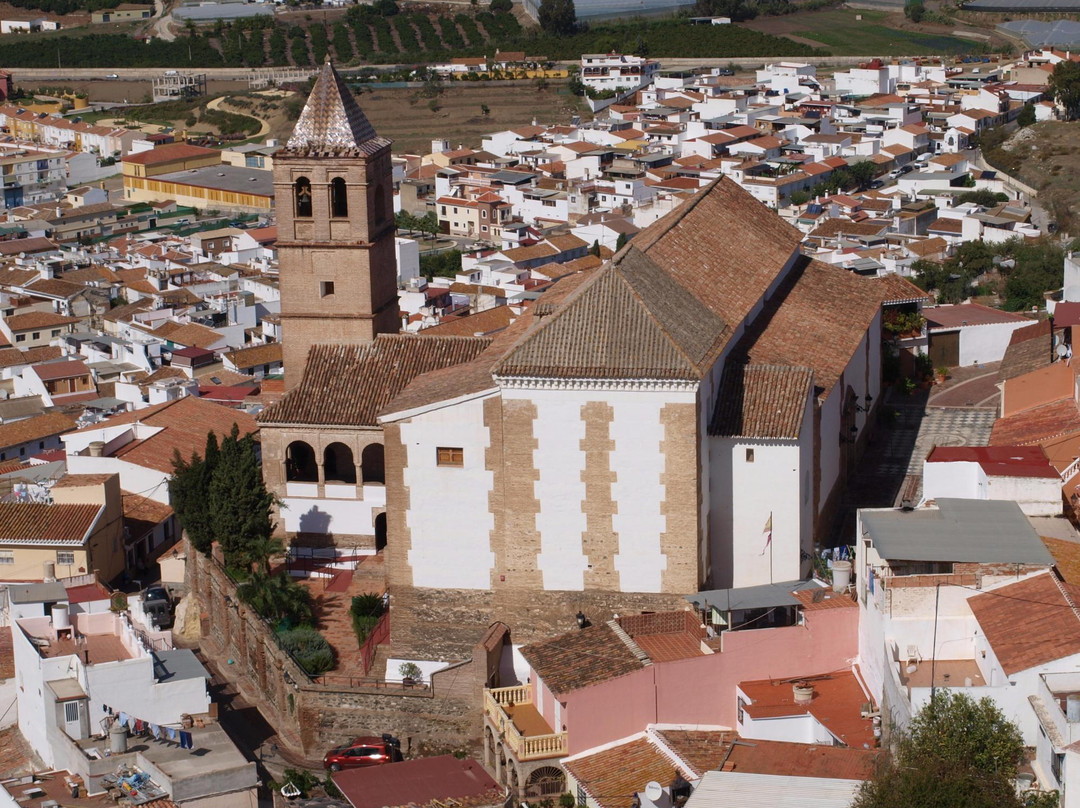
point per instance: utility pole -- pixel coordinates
(933, 659)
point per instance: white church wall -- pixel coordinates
(451, 525)
(329, 515)
(755, 481)
(638, 433)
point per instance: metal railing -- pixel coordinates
(379, 634)
(523, 747)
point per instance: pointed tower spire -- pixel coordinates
(332, 121)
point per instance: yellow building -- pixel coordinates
(82, 532)
(220, 187)
(169, 158)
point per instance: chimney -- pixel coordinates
(804, 694)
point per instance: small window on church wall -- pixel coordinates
(749, 455)
(339, 199)
(302, 192)
(326, 288)
(450, 456)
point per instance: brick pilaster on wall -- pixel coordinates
(494, 462)
(681, 505)
(520, 536)
(398, 534)
(600, 542)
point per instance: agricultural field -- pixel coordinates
(406, 117)
(877, 33)
(361, 36)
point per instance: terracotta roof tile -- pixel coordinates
(897, 289)
(837, 704)
(761, 401)
(37, 523)
(37, 319)
(630, 320)
(36, 428)
(1030, 622)
(1037, 424)
(700, 750)
(612, 777)
(832, 228)
(186, 421)
(169, 153)
(581, 658)
(376, 373)
(818, 304)
(960, 314)
(10, 357)
(1029, 349)
(483, 322)
(1066, 558)
(802, 760)
(256, 355)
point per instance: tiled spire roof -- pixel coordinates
(332, 121)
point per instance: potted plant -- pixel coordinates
(942, 374)
(410, 674)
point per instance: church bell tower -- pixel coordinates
(333, 195)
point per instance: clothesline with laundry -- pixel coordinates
(160, 731)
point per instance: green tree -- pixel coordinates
(189, 493)
(1065, 86)
(500, 6)
(862, 173)
(958, 752)
(799, 198)
(558, 17)
(620, 242)
(240, 504)
(915, 10)
(1026, 116)
(485, 110)
(595, 248)
(277, 597)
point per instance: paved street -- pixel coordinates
(891, 468)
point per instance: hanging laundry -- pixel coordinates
(131, 723)
(122, 717)
(185, 740)
(155, 730)
(171, 733)
(138, 726)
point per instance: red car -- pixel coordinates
(359, 752)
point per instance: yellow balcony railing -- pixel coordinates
(523, 747)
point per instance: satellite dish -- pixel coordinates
(654, 791)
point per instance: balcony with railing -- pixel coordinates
(521, 726)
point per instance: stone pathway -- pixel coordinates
(891, 467)
(974, 386)
(332, 616)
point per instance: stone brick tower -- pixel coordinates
(334, 198)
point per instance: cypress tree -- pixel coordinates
(240, 504)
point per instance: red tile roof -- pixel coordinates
(612, 777)
(61, 370)
(186, 422)
(962, 314)
(1037, 424)
(837, 704)
(377, 372)
(998, 461)
(37, 319)
(801, 760)
(1031, 622)
(762, 401)
(37, 523)
(418, 782)
(36, 428)
(168, 153)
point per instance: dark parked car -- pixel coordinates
(359, 752)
